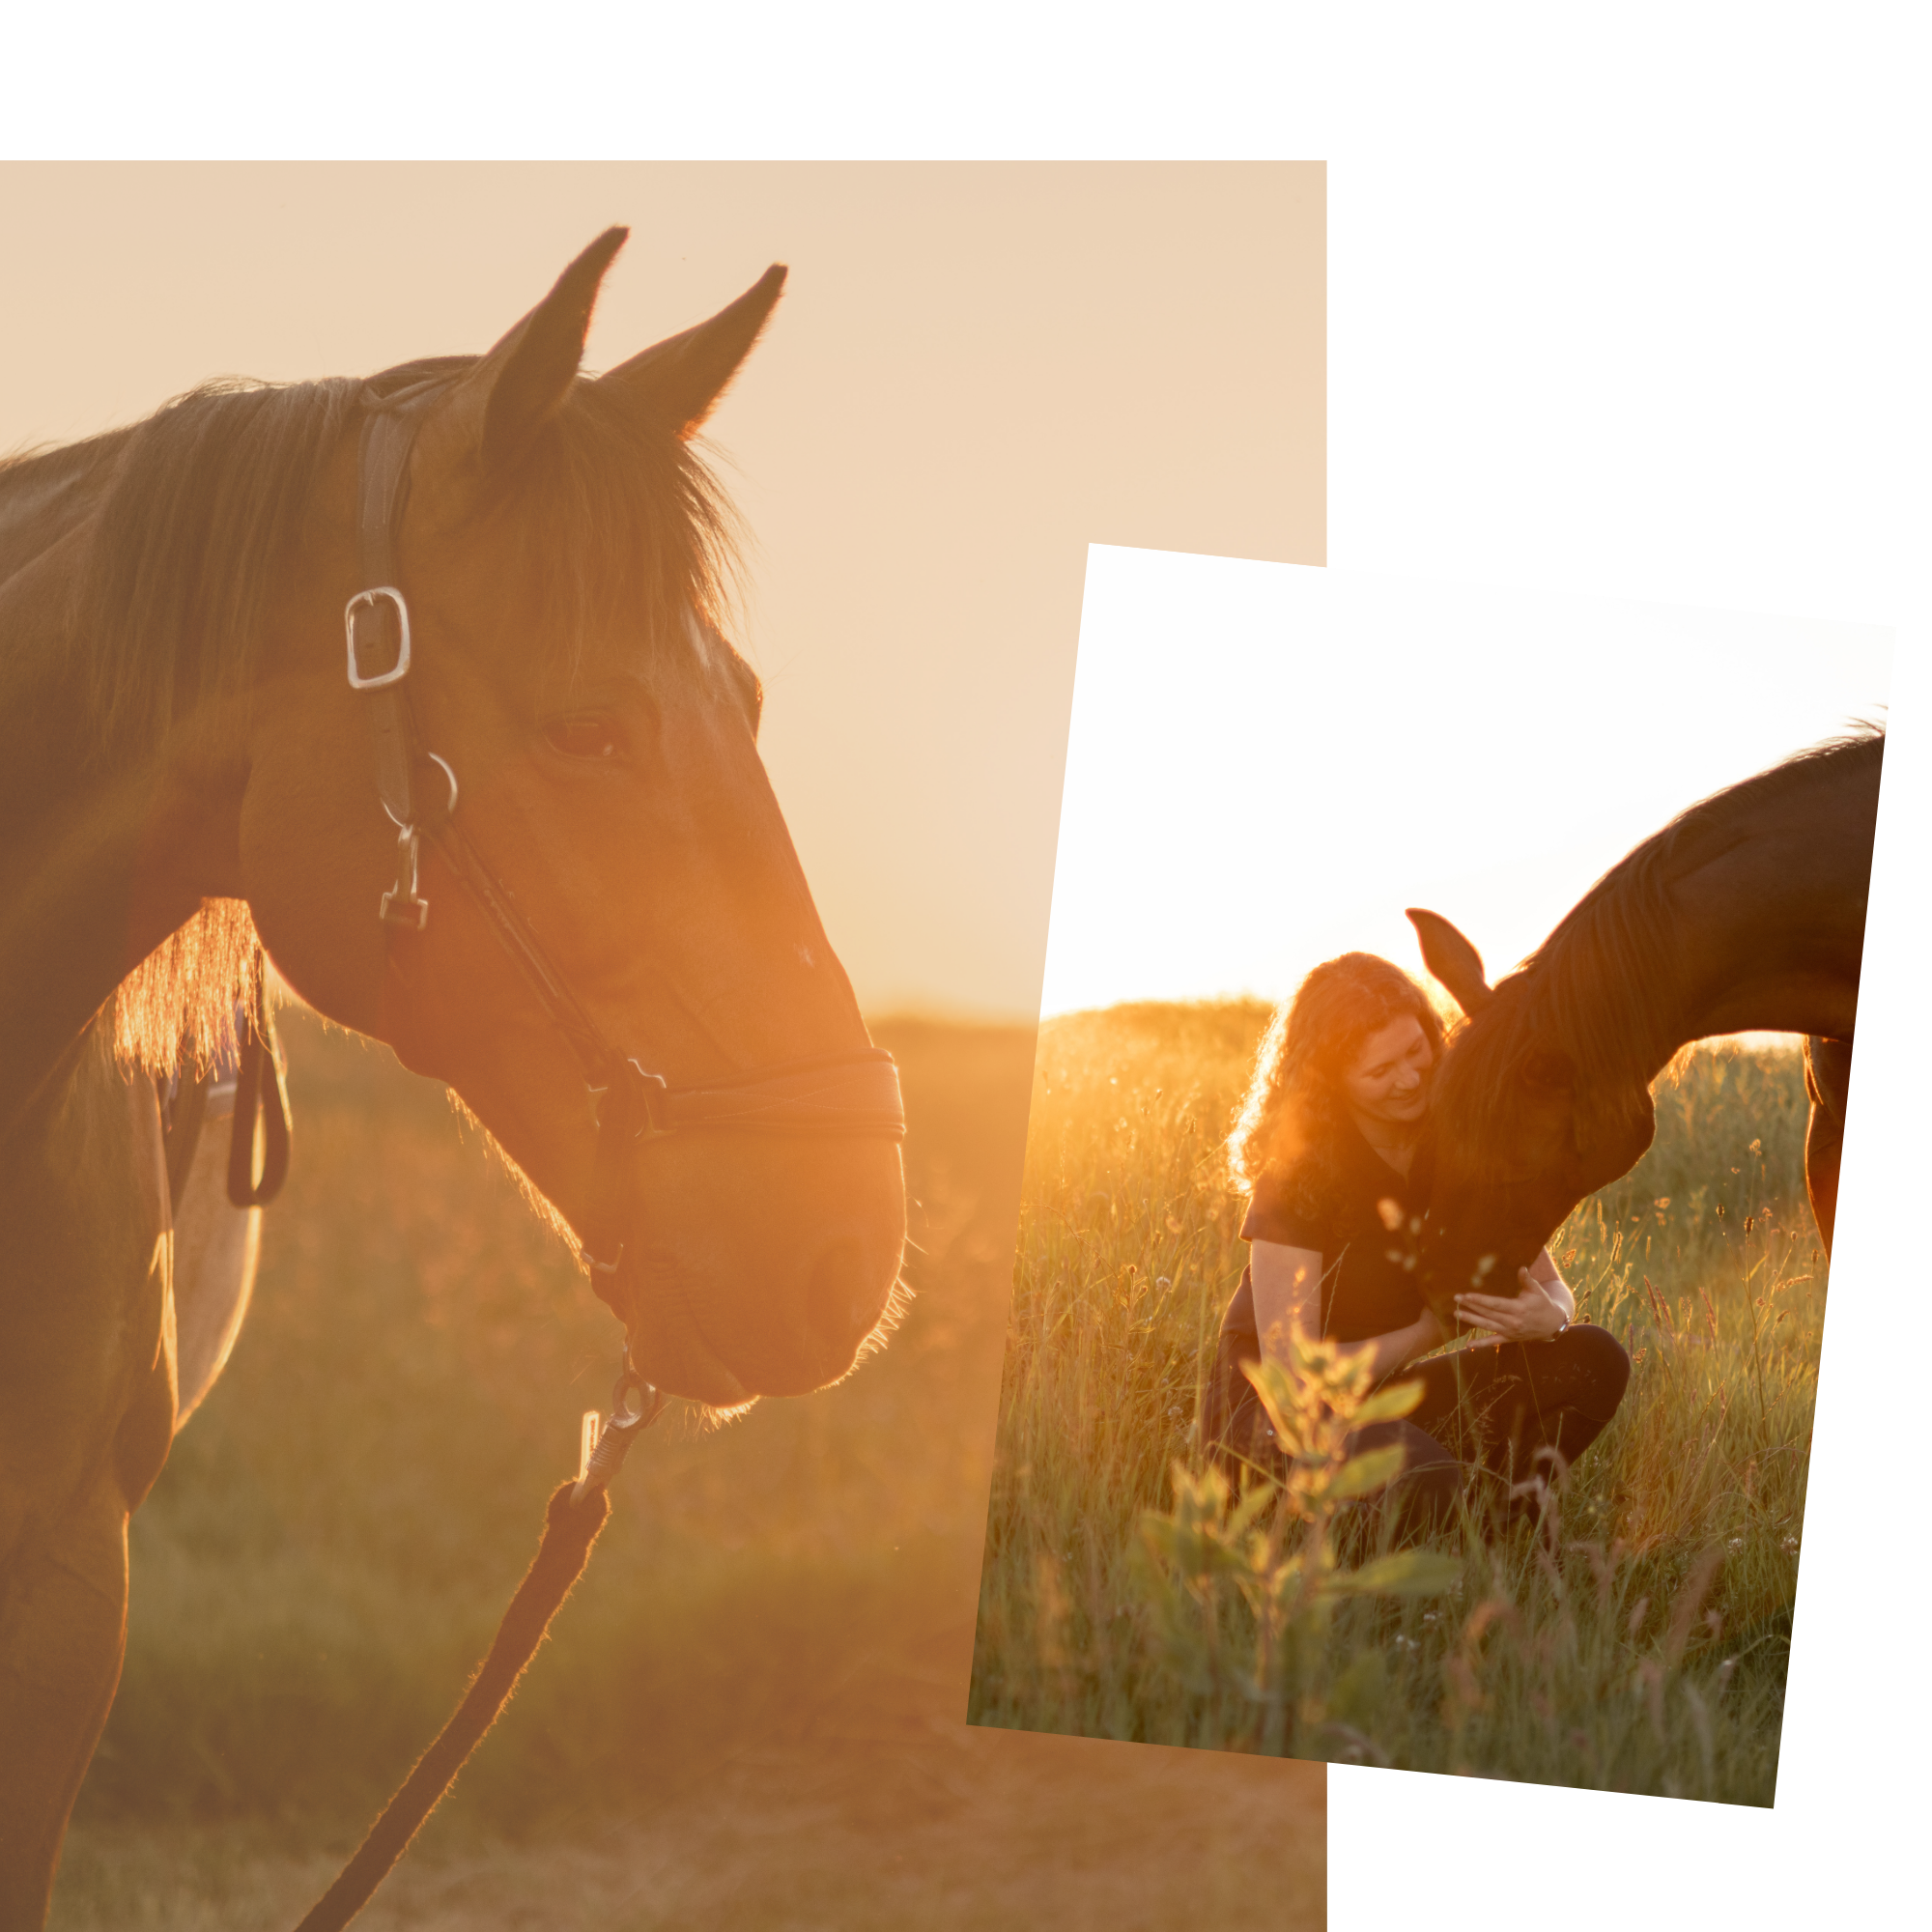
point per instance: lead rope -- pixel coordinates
(630, 1104)
(577, 1511)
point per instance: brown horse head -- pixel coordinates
(1746, 912)
(560, 549)
(1515, 1149)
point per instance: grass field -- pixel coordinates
(1643, 1649)
(752, 1707)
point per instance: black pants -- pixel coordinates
(1487, 1413)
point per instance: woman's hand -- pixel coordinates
(1533, 1316)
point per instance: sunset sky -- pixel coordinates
(1268, 762)
(975, 370)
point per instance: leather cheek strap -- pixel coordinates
(388, 435)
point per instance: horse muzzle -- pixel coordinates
(767, 1267)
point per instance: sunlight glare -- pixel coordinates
(1268, 762)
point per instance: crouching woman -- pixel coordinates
(1334, 1142)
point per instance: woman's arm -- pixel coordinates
(1542, 1274)
(1540, 1310)
(1287, 1292)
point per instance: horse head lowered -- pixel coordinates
(1744, 913)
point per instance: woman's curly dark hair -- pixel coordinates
(1287, 1134)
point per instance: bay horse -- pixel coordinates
(1745, 913)
(526, 840)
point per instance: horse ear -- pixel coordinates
(677, 383)
(501, 404)
(1452, 960)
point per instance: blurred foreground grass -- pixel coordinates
(752, 1703)
(1643, 1649)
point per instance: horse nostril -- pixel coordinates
(841, 1300)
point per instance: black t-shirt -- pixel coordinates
(1368, 1271)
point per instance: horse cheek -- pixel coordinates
(313, 882)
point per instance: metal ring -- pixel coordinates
(443, 765)
(630, 1383)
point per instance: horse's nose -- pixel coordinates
(843, 1299)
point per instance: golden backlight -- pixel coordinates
(975, 370)
(1312, 750)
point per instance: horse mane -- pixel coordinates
(48, 492)
(198, 521)
(1585, 992)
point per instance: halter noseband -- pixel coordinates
(854, 1093)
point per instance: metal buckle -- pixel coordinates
(409, 908)
(399, 670)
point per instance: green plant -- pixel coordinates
(1273, 1548)
(1702, 1261)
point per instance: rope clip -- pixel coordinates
(604, 1442)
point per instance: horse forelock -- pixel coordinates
(1598, 990)
(618, 526)
(622, 532)
(1590, 994)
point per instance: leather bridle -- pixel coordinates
(839, 1095)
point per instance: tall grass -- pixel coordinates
(339, 1527)
(1637, 1644)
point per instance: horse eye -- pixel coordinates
(585, 737)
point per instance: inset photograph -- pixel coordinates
(1431, 1177)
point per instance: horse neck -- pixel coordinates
(100, 857)
(1770, 926)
